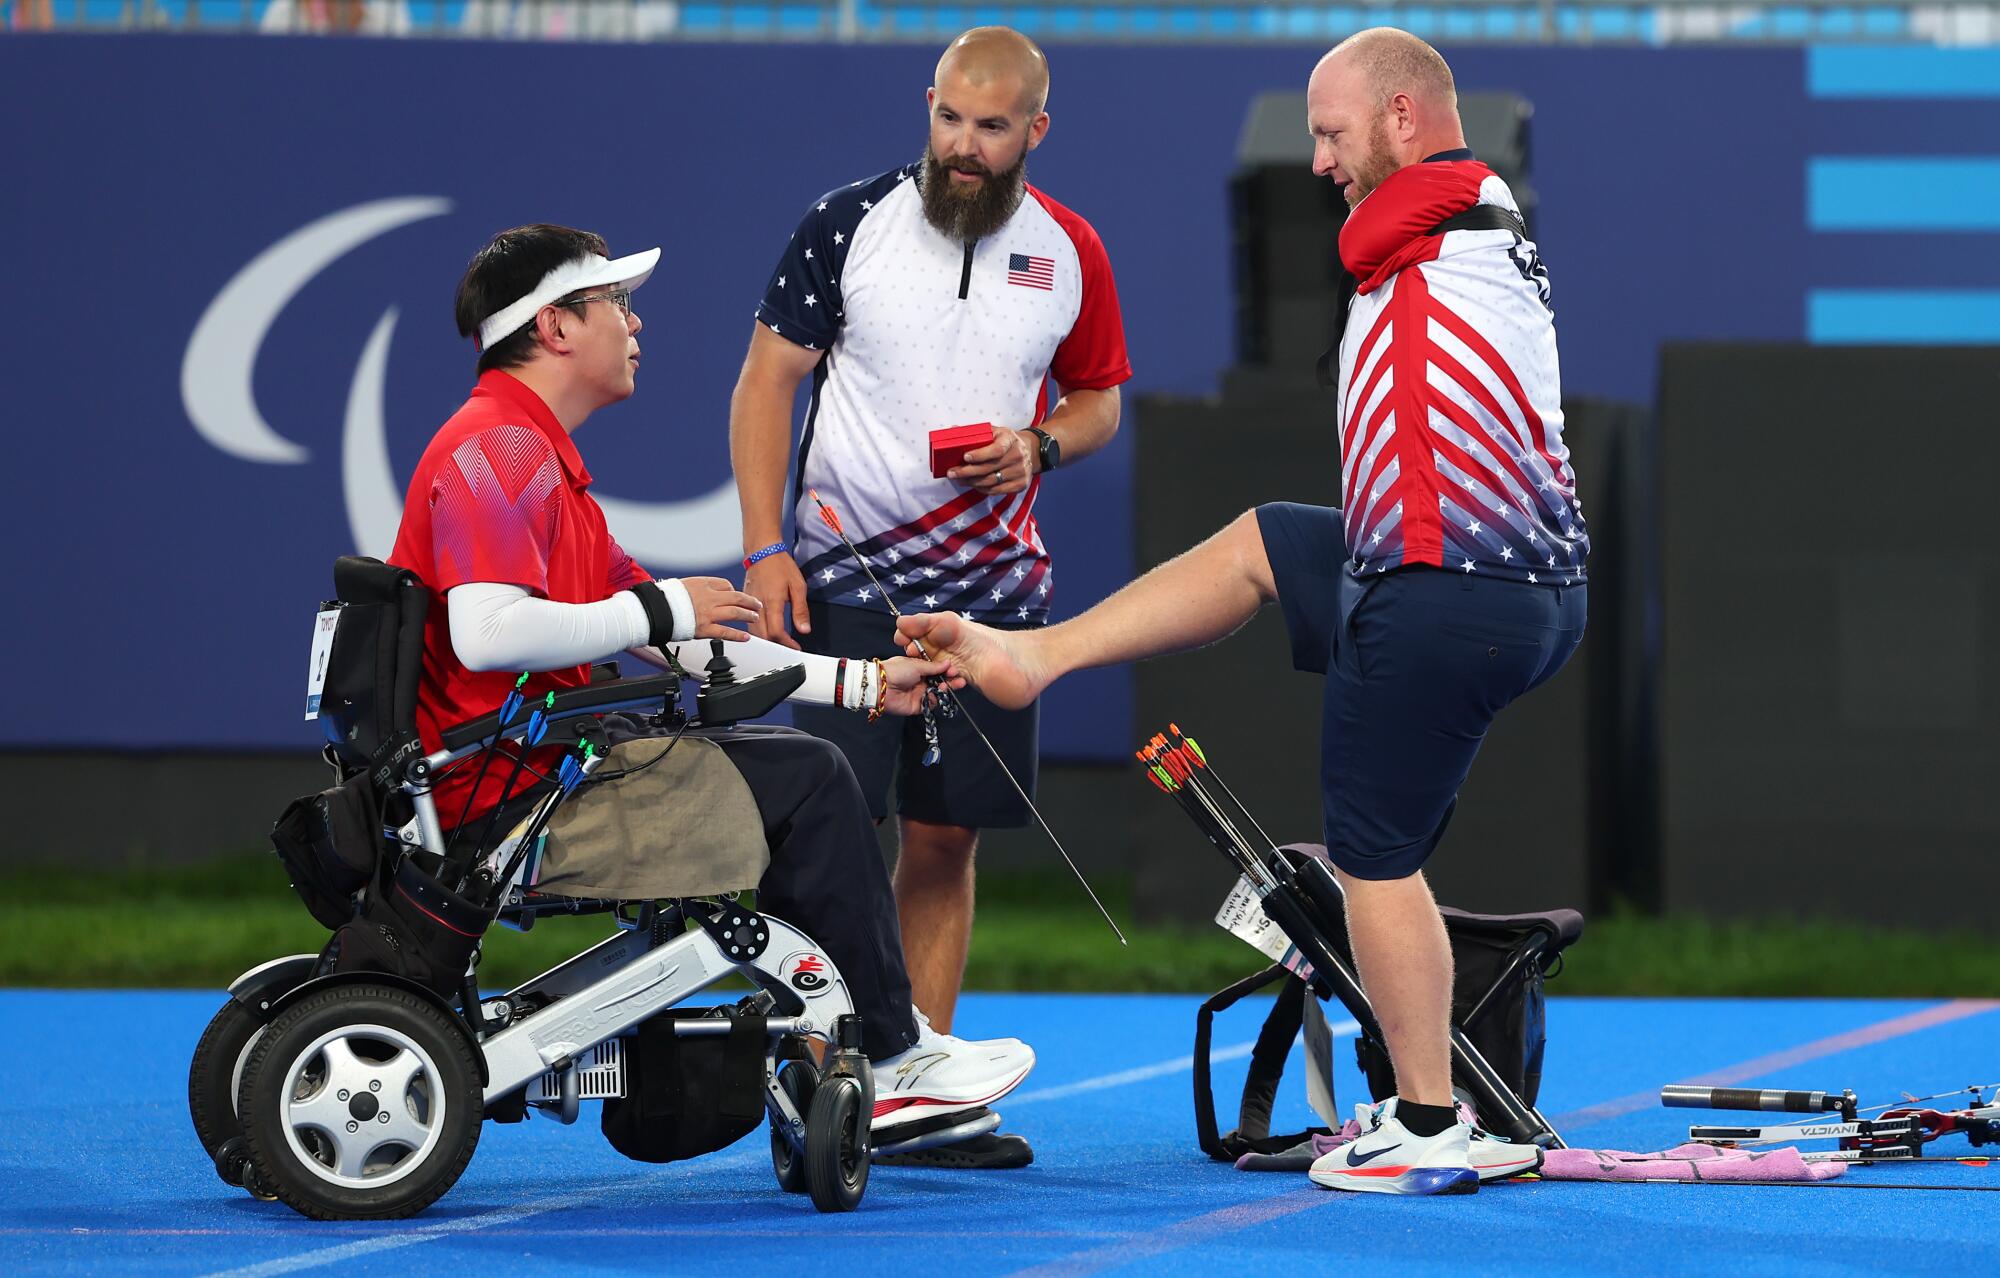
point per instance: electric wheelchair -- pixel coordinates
(354, 1084)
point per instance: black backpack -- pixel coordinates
(1497, 1000)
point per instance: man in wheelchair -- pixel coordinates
(524, 575)
(354, 1084)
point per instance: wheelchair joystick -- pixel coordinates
(721, 673)
(723, 699)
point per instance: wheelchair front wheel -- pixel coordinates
(801, 1082)
(361, 1102)
(837, 1145)
(216, 1073)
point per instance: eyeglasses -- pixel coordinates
(620, 298)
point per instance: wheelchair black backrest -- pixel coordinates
(368, 703)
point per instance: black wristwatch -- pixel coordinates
(1049, 451)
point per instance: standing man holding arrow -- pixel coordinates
(943, 293)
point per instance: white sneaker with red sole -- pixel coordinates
(942, 1075)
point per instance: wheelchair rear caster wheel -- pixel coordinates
(360, 1102)
(837, 1145)
(801, 1081)
(216, 1073)
(232, 1163)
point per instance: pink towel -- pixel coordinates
(1349, 1130)
(1686, 1162)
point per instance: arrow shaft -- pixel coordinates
(859, 558)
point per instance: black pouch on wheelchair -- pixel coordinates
(685, 1097)
(413, 926)
(330, 843)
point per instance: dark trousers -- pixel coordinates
(826, 874)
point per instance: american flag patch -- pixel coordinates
(1031, 272)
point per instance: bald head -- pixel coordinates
(998, 55)
(1380, 101)
(1388, 61)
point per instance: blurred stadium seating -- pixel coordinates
(1658, 22)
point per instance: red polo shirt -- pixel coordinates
(501, 495)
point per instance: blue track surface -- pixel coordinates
(99, 1170)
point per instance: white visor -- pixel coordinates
(589, 271)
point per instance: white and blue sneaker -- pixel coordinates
(1387, 1158)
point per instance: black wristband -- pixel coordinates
(659, 613)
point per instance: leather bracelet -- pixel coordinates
(881, 689)
(764, 552)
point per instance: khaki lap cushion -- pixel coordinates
(686, 826)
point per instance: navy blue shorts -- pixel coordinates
(965, 787)
(1417, 663)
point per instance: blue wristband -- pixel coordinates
(766, 552)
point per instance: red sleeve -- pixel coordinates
(494, 510)
(1092, 356)
(625, 570)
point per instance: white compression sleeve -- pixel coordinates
(495, 626)
(757, 656)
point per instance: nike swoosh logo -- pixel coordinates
(1356, 1159)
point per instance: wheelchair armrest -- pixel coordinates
(718, 706)
(597, 698)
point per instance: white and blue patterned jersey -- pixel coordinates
(922, 332)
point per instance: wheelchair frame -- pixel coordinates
(542, 1030)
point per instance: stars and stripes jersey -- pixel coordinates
(1450, 411)
(922, 332)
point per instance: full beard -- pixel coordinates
(1375, 169)
(970, 213)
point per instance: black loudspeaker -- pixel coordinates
(1832, 630)
(1285, 222)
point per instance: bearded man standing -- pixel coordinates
(943, 293)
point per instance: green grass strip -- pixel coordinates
(199, 926)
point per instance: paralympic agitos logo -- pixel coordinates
(221, 359)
